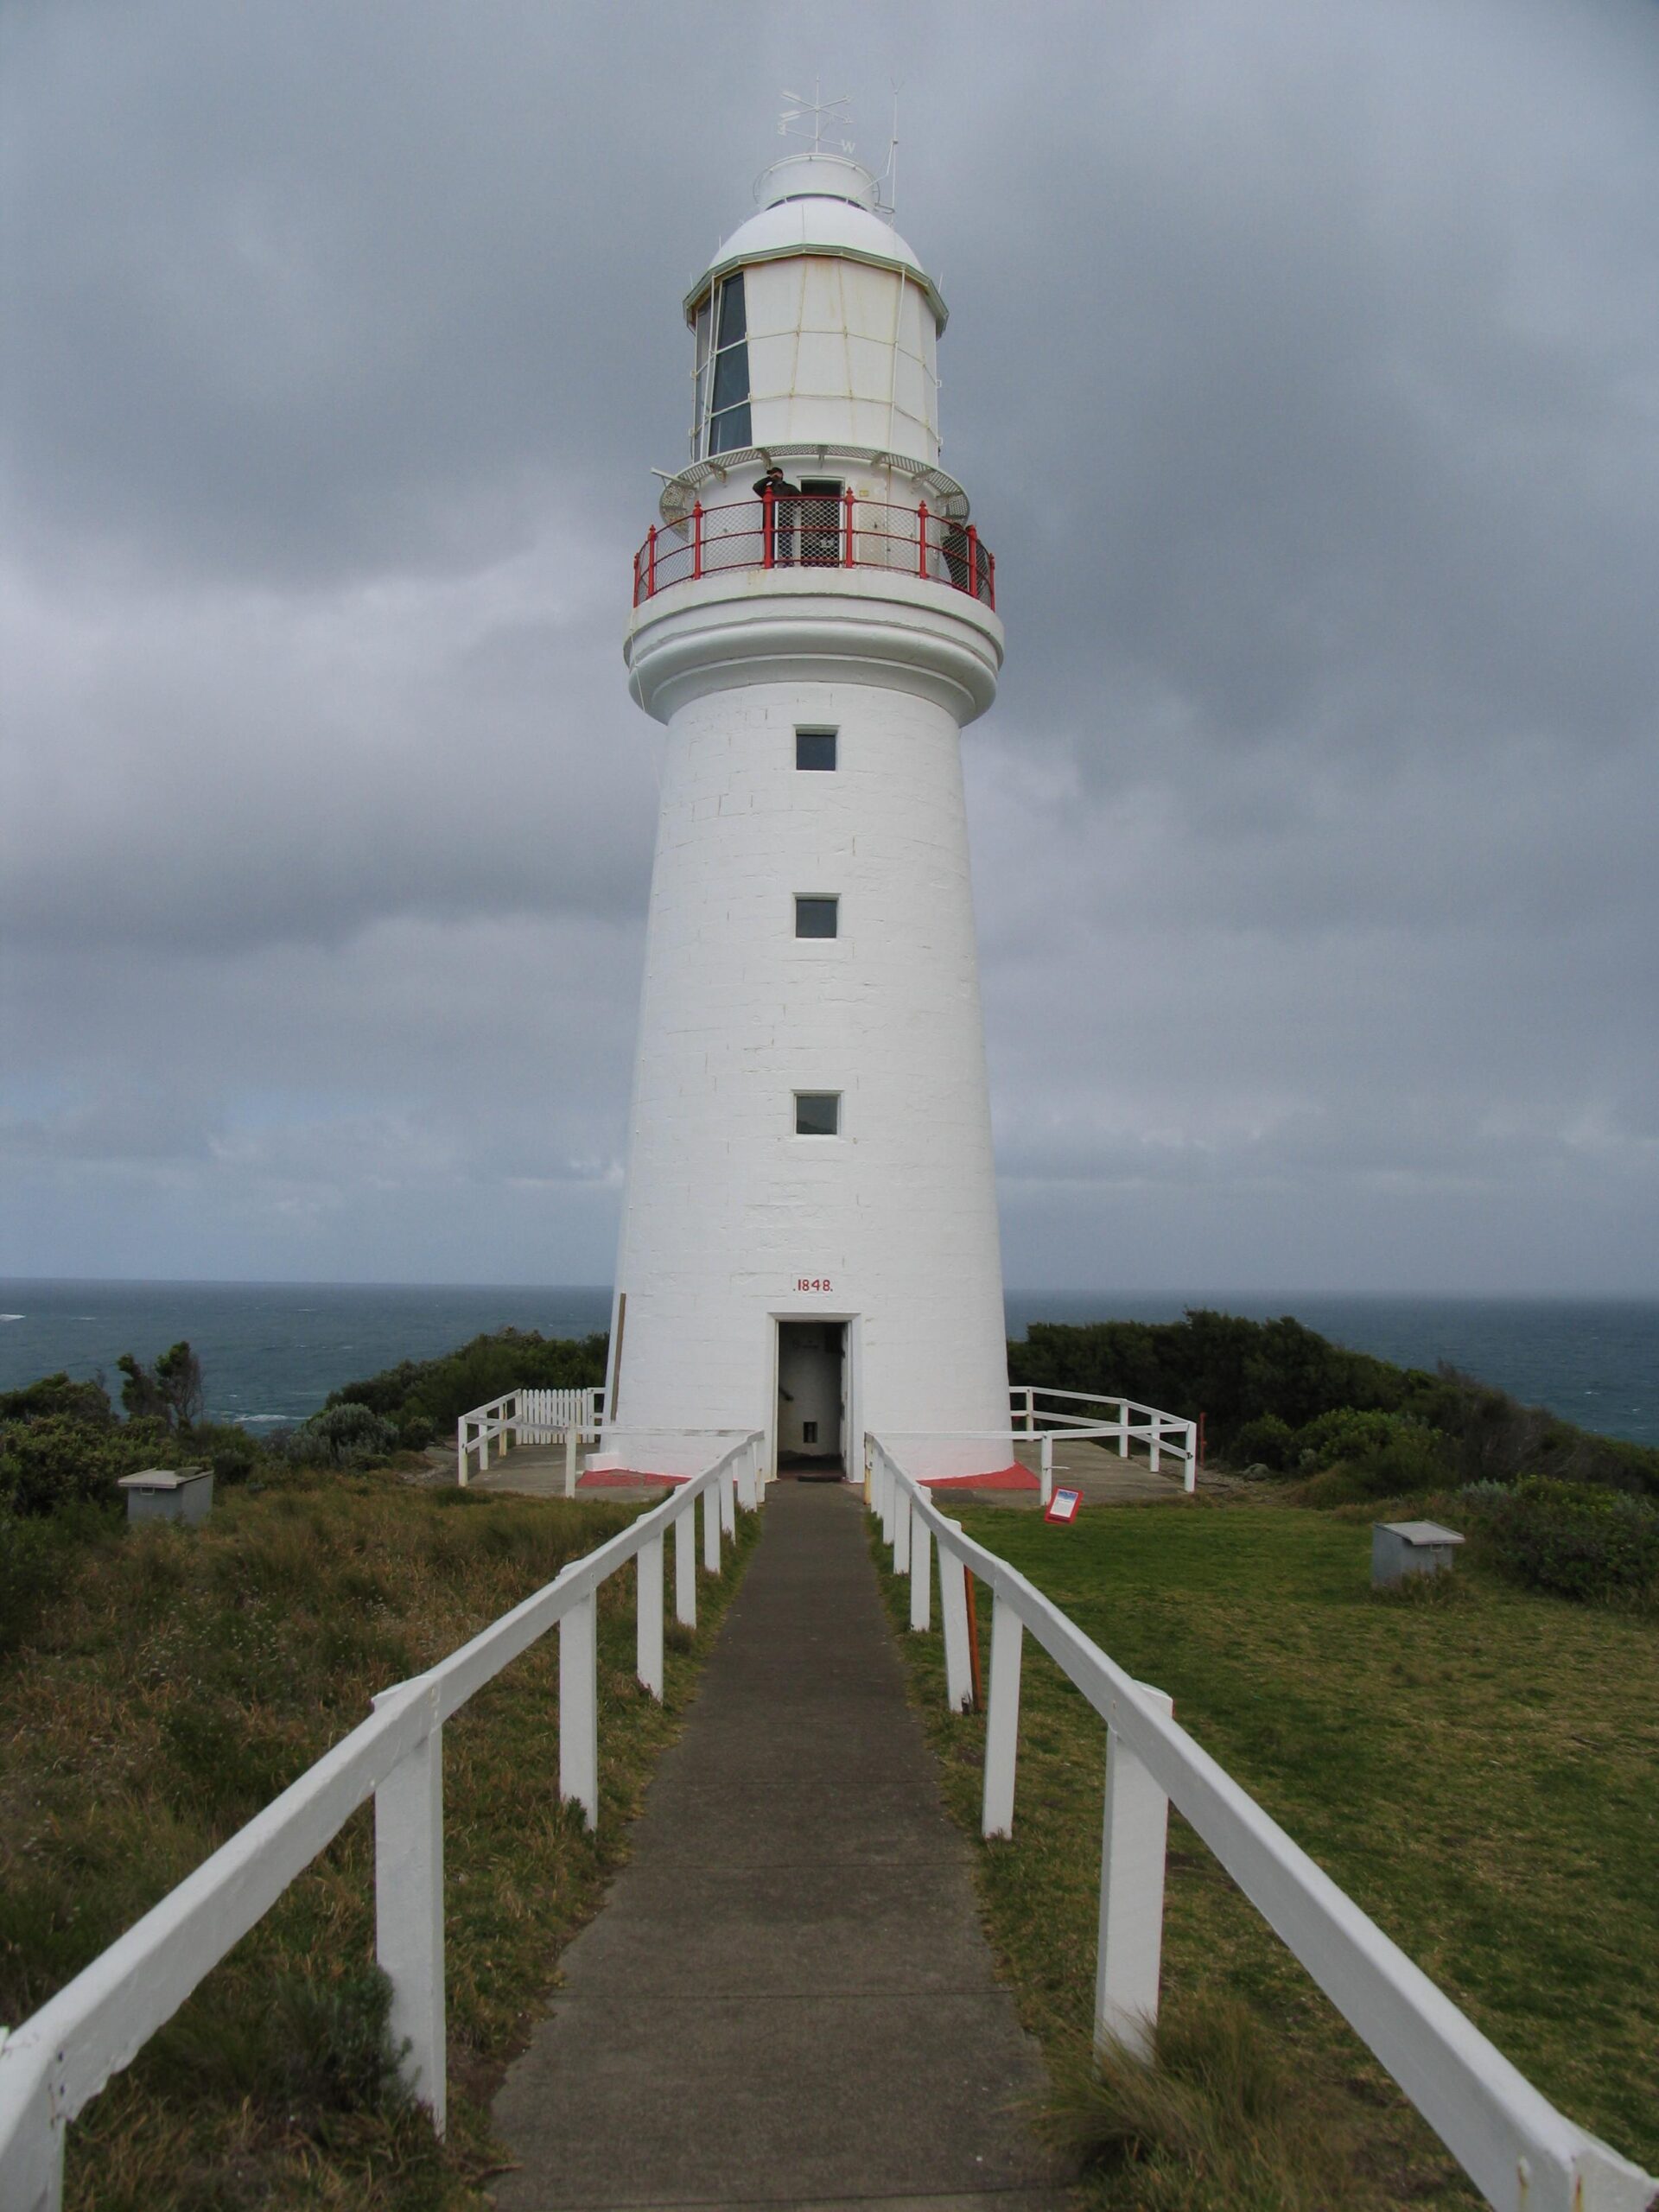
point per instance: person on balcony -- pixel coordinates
(778, 516)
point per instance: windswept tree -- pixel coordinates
(169, 1391)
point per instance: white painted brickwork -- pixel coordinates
(727, 1209)
(728, 1212)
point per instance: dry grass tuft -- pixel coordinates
(1216, 2121)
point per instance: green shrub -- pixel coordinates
(1237, 1372)
(57, 1460)
(1266, 1441)
(339, 1436)
(226, 1448)
(56, 1393)
(415, 1431)
(1578, 1539)
(1383, 1454)
(442, 1389)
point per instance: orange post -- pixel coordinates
(847, 528)
(767, 501)
(921, 539)
(973, 1639)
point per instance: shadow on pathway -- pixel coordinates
(788, 2000)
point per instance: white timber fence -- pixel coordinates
(1086, 1414)
(62, 2056)
(1521, 2153)
(527, 1417)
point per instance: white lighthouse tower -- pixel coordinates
(808, 1240)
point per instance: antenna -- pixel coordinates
(890, 174)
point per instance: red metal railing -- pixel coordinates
(802, 530)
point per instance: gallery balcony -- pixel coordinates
(803, 530)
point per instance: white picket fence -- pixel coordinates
(527, 1417)
(1520, 2152)
(63, 2056)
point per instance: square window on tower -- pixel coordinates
(818, 1112)
(815, 748)
(816, 917)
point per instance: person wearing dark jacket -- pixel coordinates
(782, 513)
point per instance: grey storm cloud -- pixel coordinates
(1302, 368)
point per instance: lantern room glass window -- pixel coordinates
(722, 374)
(815, 748)
(816, 917)
(818, 1112)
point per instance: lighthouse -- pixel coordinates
(809, 1242)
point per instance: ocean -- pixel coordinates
(271, 1352)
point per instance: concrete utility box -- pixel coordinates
(1403, 1547)
(162, 1494)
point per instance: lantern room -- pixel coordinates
(815, 325)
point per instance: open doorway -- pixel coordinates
(811, 1398)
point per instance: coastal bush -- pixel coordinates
(342, 1435)
(58, 1459)
(1575, 1539)
(1266, 1441)
(1232, 1370)
(1381, 1455)
(1238, 1373)
(56, 1393)
(440, 1390)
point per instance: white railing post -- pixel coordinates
(726, 1483)
(409, 1912)
(1122, 1428)
(1046, 1480)
(921, 1573)
(685, 1565)
(461, 1453)
(648, 1617)
(1002, 1720)
(1133, 1834)
(31, 2156)
(572, 1438)
(953, 1619)
(1154, 1438)
(484, 1443)
(711, 1528)
(889, 1506)
(1190, 1481)
(579, 1707)
(901, 1517)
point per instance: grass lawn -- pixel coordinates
(184, 1678)
(1478, 1773)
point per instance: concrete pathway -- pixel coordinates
(788, 2000)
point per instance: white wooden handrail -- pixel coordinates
(530, 1414)
(63, 2055)
(1130, 1423)
(1522, 2154)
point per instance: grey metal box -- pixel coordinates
(166, 1494)
(1403, 1547)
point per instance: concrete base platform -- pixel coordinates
(788, 2000)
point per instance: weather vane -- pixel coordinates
(819, 117)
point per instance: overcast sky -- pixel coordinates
(1304, 370)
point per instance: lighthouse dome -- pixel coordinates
(816, 323)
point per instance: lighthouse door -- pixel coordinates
(810, 1391)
